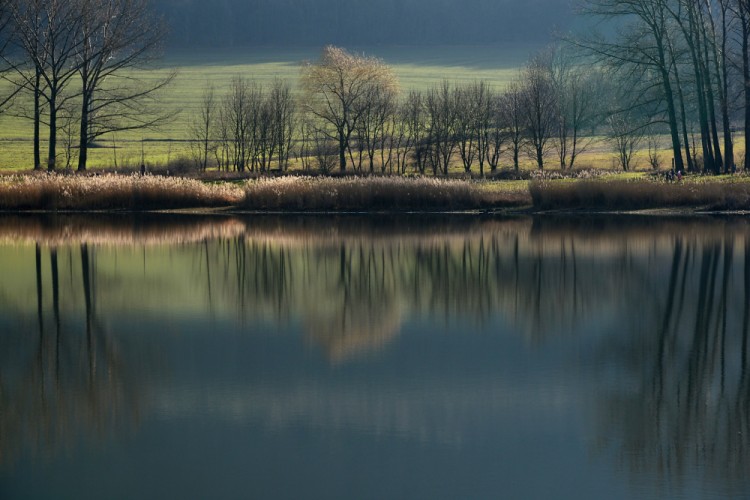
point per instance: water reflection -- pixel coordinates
(61, 380)
(656, 312)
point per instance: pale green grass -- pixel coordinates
(416, 68)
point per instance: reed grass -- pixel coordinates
(640, 194)
(111, 192)
(375, 194)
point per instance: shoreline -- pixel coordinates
(502, 212)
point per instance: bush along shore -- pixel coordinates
(111, 192)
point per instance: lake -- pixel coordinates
(443, 356)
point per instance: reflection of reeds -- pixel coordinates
(116, 230)
(111, 192)
(373, 194)
(591, 234)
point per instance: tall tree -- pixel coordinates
(336, 87)
(511, 118)
(743, 12)
(115, 37)
(577, 87)
(639, 45)
(284, 120)
(46, 35)
(442, 108)
(539, 106)
(202, 127)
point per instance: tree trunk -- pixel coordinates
(37, 118)
(710, 97)
(683, 122)
(718, 161)
(671, 112)
(540, 157)
(746, 81)
(724, 94)
(342, 151)
(83, 143)
(52, 151)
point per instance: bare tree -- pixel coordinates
(263, 130)
(442, 111)
(324, 150)
(238, 123)
(202, 127)
(653, 140)
(743, 12)
(284, 116)
(489, 134)
(6, 26)
(496, 135)
(539, 107)
(394, 139)
(305, 147)
(380, 105)
(625, 137)
(640, 49)
(115, 37)
(25, 40)
(576, 86)
(46, 34)
(414, 114)
(512, 119)
(335, 87)
(467, 122)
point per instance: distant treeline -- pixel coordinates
(225, 23)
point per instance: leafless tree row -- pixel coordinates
(69, 61)
(351, 115)
(247, 129)
(684, 65)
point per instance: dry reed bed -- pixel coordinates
(374, 194)
(111, 192)
(640, 195)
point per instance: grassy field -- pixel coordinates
(416, 68)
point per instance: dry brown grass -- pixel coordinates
(374, 194)
(621, 195)
(111, 192)
(353, 194)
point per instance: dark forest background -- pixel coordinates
(227, 23)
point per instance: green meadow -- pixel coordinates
(416, 68)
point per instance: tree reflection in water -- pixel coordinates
(61, 380)
(677, 292)
(687, 357)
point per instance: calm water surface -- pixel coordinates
(374, 357)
